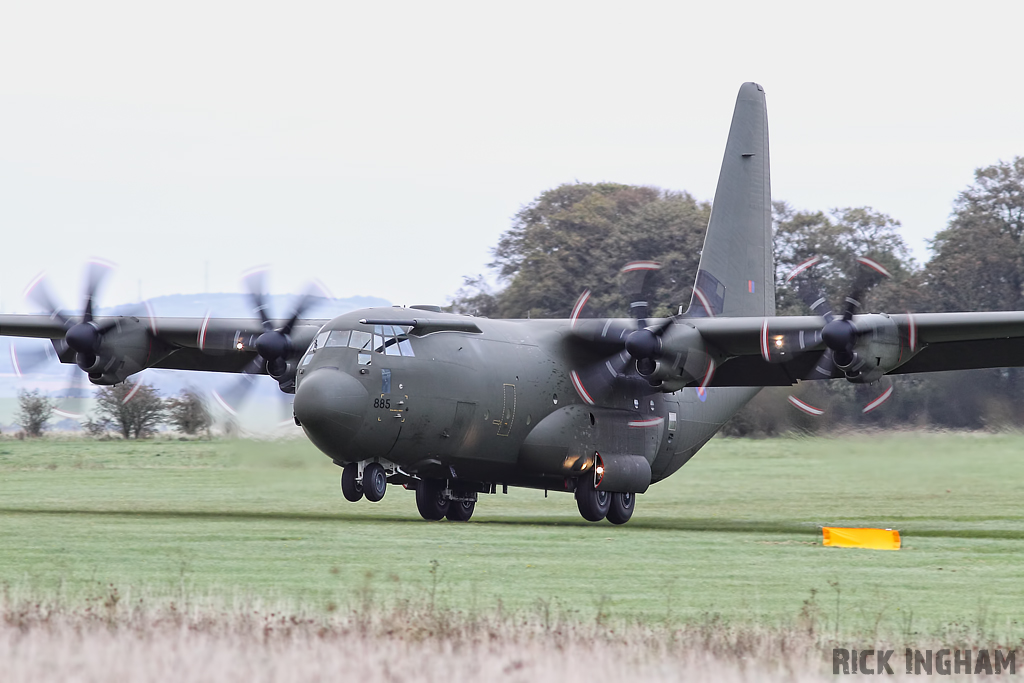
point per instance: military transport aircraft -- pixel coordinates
(454, 406)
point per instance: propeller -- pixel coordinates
(83, 336)
(274, 346)
(839, 334)
(619, 345)
(28, 359)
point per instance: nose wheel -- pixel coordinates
(373, 484)
(375, 481)
(351, 488)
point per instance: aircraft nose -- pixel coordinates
(330, 405)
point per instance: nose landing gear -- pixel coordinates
(375, 481)
(368, 479)
(351, 486)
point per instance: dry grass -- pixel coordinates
(117, 638)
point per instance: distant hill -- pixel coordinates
(240, 306)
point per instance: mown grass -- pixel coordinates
(732, 537)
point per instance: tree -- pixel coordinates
(978, 261)
(978, 265)
(839, 237)
(475, 297)
(188, 413)
(132, 408)
(35, 410)
(577, 236)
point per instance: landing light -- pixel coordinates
(239, 346)
(600, 469)
(778, 342)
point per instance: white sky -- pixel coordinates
(384, 147)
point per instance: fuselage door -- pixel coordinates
(508, 411)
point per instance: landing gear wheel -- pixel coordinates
(593, 504)
(375, 481)
(430, 499)
(350, 488)
(621, 508)
(460, 510)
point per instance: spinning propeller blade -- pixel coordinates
(839, 334)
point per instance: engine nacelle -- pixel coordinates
(684, 358)
(877, 351)
(125, 349)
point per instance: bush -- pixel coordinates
(188, 414)
(133, 409)
(35, 411)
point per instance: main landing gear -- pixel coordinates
(435, 501)
(595, 505)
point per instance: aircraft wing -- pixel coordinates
(928, 342)
(207, 344)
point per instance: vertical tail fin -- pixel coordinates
(736, 276)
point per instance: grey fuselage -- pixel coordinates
(497, 406)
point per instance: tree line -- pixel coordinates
(131, 410)
(577, 236)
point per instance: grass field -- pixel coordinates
(732, 536)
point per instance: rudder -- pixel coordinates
(736, 276)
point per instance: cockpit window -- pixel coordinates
(318, 342)
(360, 340)
(338, 338)
(392, 340)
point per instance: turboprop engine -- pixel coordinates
(109, 354)
(680, 356)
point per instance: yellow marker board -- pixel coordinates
(877, 539)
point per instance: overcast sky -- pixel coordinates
(384, 147)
